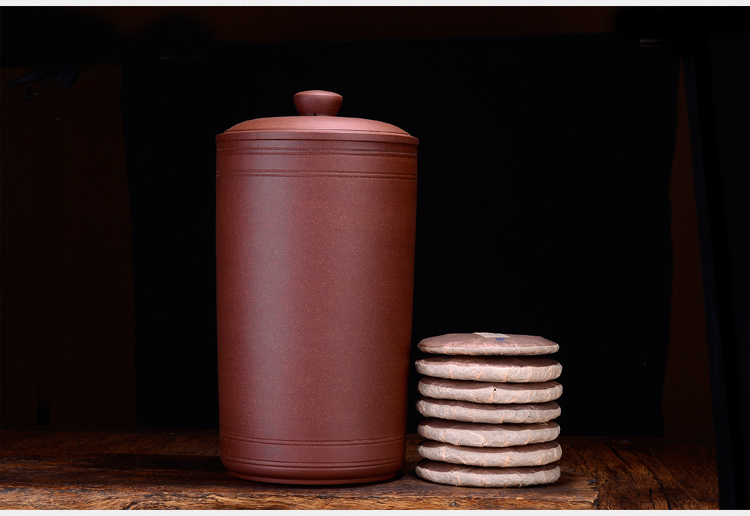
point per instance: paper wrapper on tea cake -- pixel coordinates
(510, 457)
(484, 435)
(490, 369)
(453, 474)
(482, 343)
(489, 392)
(495, 414)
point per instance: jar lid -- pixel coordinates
(317, 120)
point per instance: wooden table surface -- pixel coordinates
(55, 469)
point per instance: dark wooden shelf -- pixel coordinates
(50, 469)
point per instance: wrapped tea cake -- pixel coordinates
(489, 400)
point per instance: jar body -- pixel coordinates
(315, 266)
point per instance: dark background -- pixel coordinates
(556, 196)
(543, 201)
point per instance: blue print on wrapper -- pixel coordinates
(500, 339)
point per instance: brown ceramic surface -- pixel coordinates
(315, 226)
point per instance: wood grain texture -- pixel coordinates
(647, 474)
(163, 470)
(187, 482)
(170, 481)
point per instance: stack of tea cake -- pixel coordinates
(489, 400)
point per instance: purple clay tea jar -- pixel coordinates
(315, 227)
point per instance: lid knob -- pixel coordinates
(317, 103)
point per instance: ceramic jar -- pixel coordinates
(315, 227)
